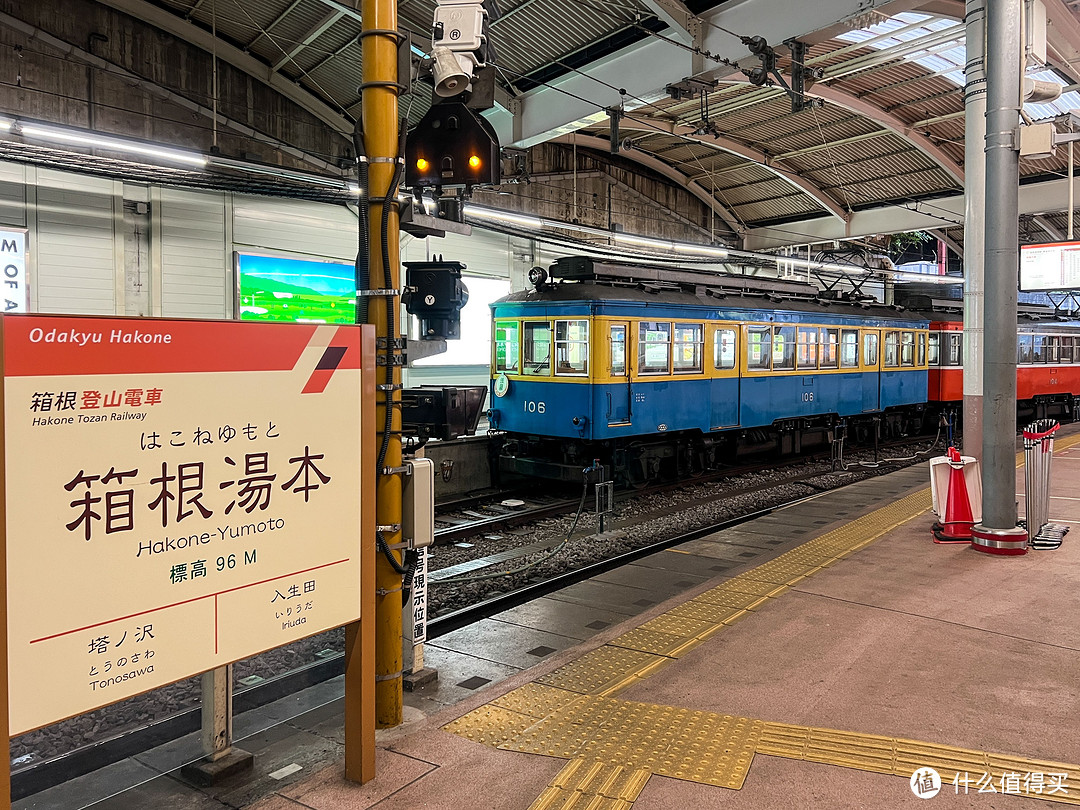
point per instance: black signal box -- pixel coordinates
(451, 147)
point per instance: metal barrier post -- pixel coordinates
(1038, 455)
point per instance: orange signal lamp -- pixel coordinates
(474, 162)
(422, 164)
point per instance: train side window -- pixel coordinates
(689, 347)
(891, 358)
(724, 349)
(808, 350)
(1066, 349)
(506, 346)
(870, 349)
(828, 351)
(933, 353)
(758, 350)
(1053, 344)
(572, 348)
(617, 338)
(654, 347)
(849, 348)
(921, 357)
(1039, 354)
(783, 348)
(1025, 351)
(955, 356)
(537, 349)
(907, 348)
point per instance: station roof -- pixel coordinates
(889, 136)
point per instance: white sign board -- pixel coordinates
(1050, 267)
(16, 289)
(180, 495)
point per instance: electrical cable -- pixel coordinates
(875, 464)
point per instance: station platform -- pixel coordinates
(816, 657)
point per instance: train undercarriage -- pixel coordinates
(644, 460)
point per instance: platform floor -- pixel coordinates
(813, 658)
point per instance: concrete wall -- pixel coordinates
(80, 63)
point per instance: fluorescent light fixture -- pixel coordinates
(643, 241)
(701, 250)
(115, 144)
(503, 216)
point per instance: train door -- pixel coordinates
(618, 386)
(724, 393)
(871, 376)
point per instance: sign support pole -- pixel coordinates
(5, 749)
(360, 636)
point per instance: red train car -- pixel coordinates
(1047, 367)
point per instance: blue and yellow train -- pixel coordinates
(670, 378)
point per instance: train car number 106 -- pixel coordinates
(808, 396)
(531, 406)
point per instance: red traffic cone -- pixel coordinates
(956, 528)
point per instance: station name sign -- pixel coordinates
(180, 495)
(16, 289)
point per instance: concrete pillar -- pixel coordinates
(998, 534)
(974, 202)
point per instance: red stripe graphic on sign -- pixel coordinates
(37, 346)
(343, 352)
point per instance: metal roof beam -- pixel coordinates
(313, 34)
(665, 170)
(680, 19)
(893, 124)
(733, 147)
(642, 70)
(943, 235)
(189, 32)
(1048, 227)
(1050, 196)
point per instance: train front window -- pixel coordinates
(537, 349)
(654, 347)
(689, 341)
(849, 348)
(758, 350)
(828, 351)
(783, 348)
(808, 347)
(572, 348)
(506, 346)
(933, 355)
(617, 336)
(892, 350)
(724, 348)
(907, 348)
(955, 353)
(870, 349)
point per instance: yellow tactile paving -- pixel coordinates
(599, 670)
(705, 747)
(959, 768)
(535, 700)
(490, 725)
(570, 712)
(592, 785)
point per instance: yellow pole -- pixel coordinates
(379, 114)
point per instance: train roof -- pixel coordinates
(584, 292)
